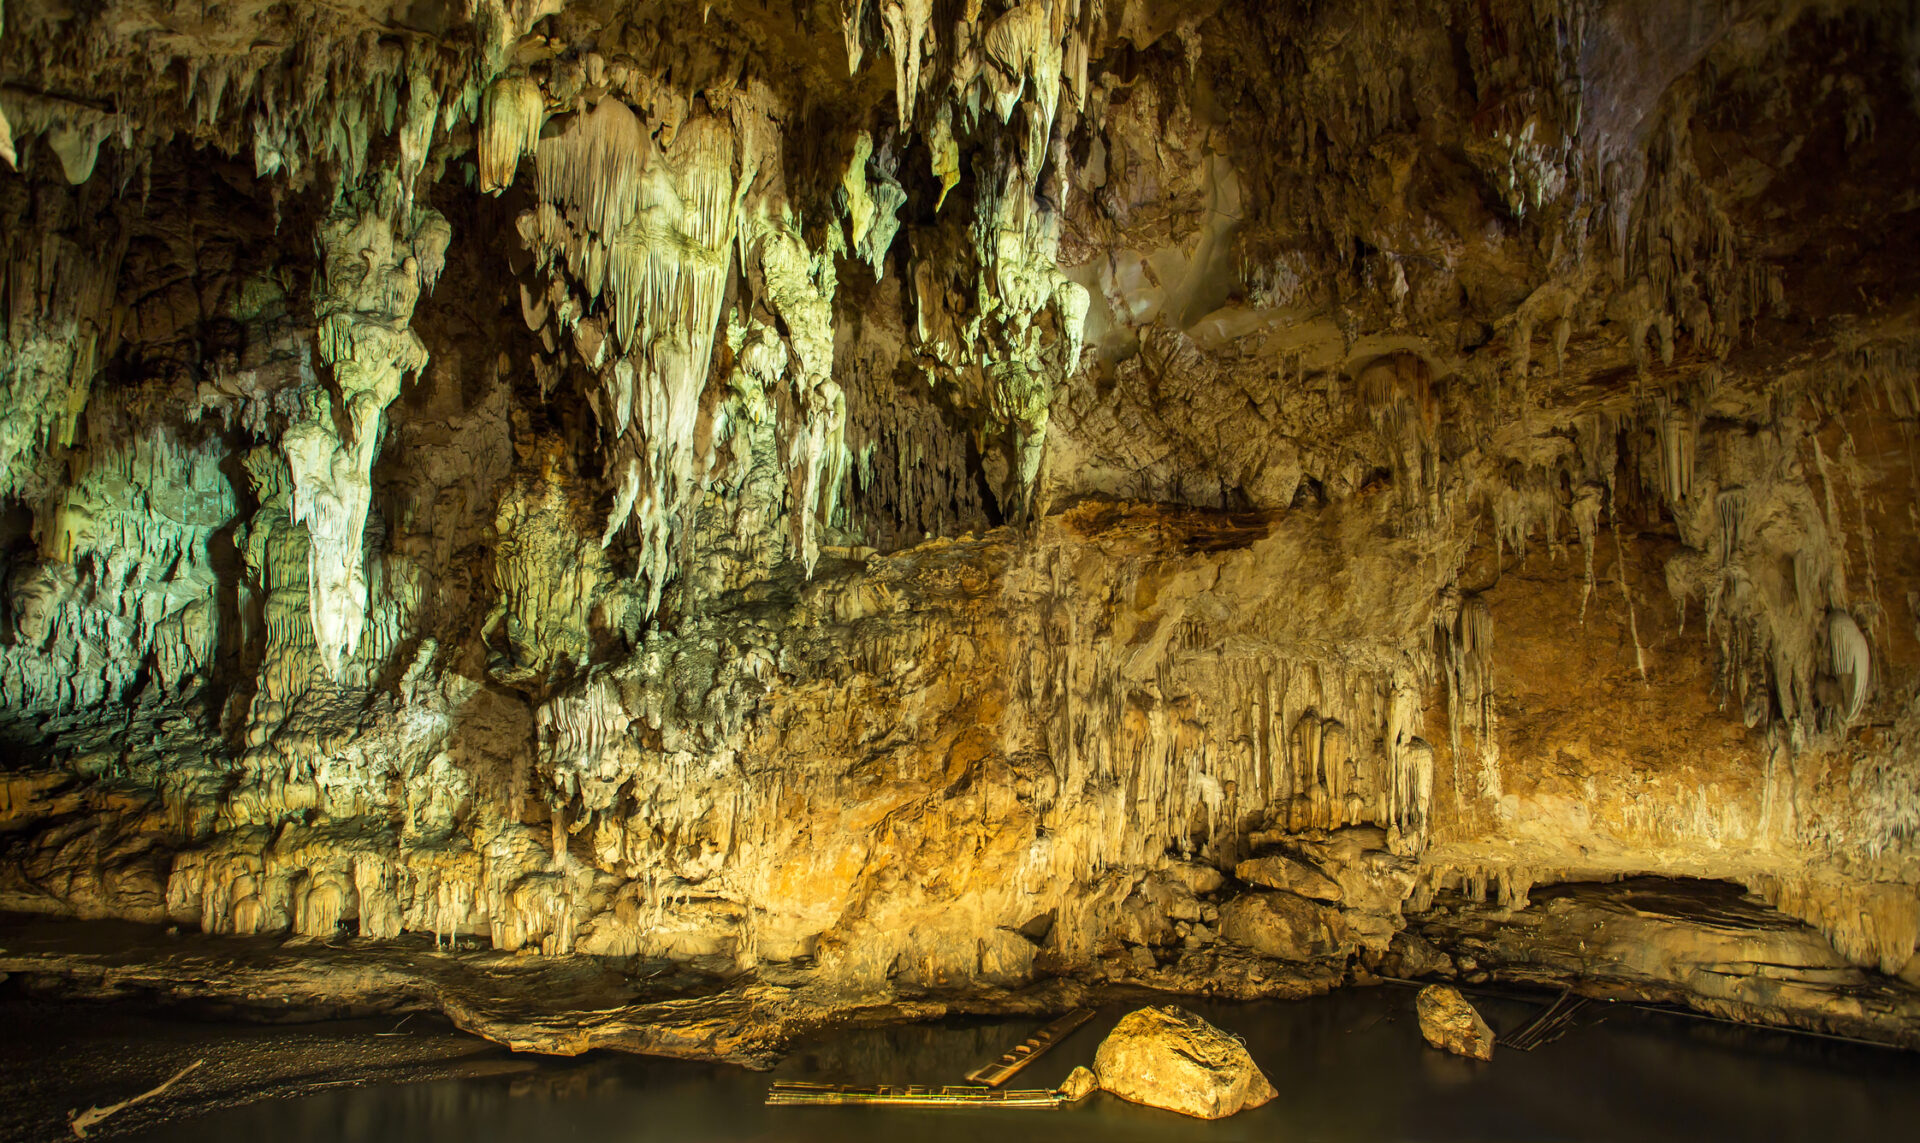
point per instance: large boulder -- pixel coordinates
(1170, 1058)
(1285, 926)
(1278, 871)
(1199, 879)
(1451, 1024)
(1371, 877)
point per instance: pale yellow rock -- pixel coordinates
(1170, 1058)
(1451, 1024)
(1199, 879)
(1079, 1084)
(1282, 925)
(1278, 871)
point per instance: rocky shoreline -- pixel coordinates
(1695, 945)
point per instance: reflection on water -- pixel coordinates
(1348, 1067)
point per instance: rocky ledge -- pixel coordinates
(553, 1005)
(1701, 944)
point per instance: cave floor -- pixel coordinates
(465, 1042)
(555, 1005)
(61, 1057)
(561, 1006)
(1349, 1065)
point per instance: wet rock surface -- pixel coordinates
(554, 1006)
(61, 1057)
(1347, 1063)
(1079, 1084)
(1452, 1024)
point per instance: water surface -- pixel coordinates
(1350, 1066)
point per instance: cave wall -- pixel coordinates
(951, 492)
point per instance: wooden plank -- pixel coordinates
(999, 1071)
(800, 1094)
(1547, 1025)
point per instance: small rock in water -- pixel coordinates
(1170, 1058)
(1451, 1024)
(1079, 1084)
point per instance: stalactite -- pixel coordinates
(379, 255)
(907, 24)
(1852, 662)
(511, 117)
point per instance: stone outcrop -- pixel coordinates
(1232, 497)
(1170, 1058)
(1702, 944)
(1283, 925)
(1450, 1023)
(1278, 871)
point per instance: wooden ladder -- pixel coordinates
(1000, 1070)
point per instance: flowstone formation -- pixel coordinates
(376, 259)
(885, 507)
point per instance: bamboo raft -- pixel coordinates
(801, 1094)
(1000, 1070)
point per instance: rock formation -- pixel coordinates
(888, 502)
(1170, 1058)
(1079, 1084)
(1449, 1023)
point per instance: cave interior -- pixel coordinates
(589, 517)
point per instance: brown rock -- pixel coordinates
(1685, 942)
(1278, 871)
(1285, 926)
(1409, 955)
(1199, 879)
(1451, 1024)
(1357, 859)
(1170, 1058)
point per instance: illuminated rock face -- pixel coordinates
(1450, 1023)
(377, 257)
(925, 497)
(1168, 1057)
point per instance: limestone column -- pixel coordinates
(378, 252)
